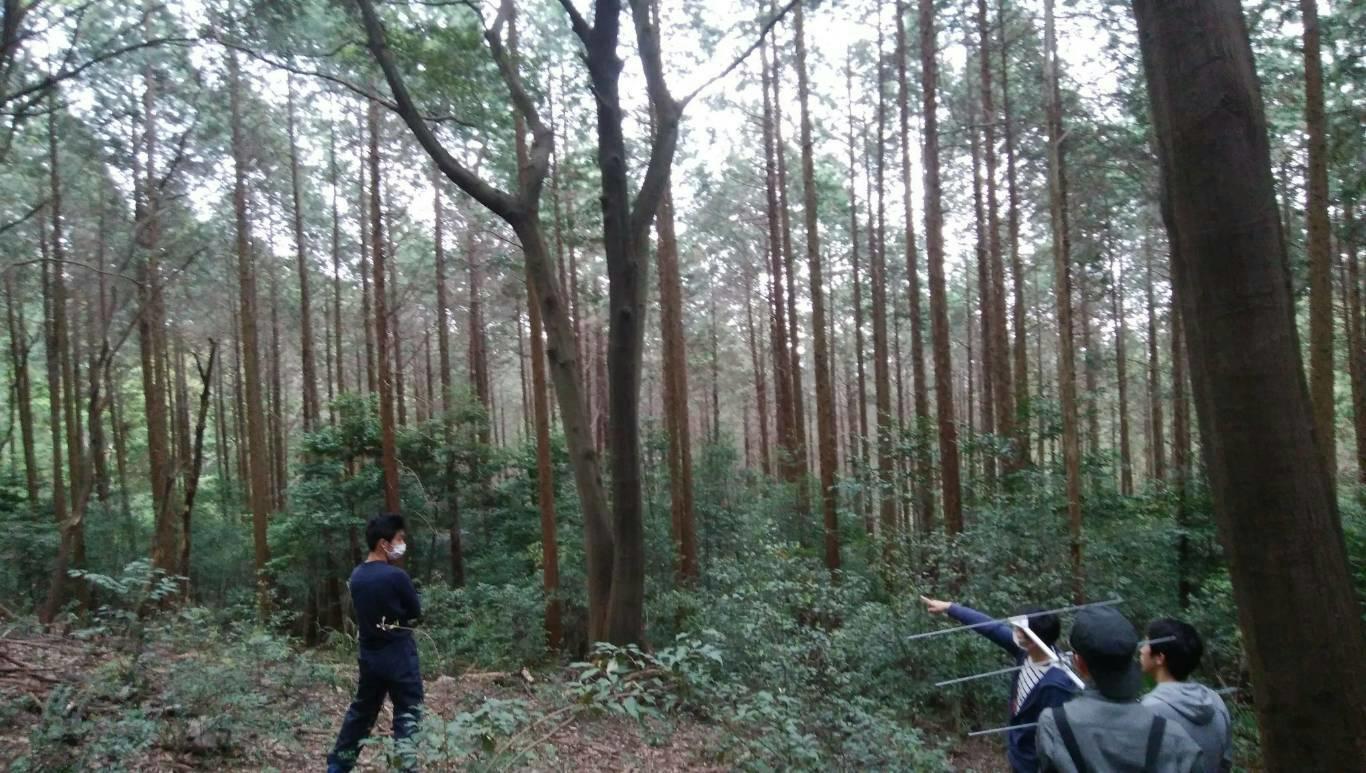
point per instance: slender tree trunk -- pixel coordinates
(1126, 464)
(257, 449)
(1271, 485)
(1020, 349)
(1356, 327)
(19, 348)
(53, 334)
(877, 280)
(986, 303)
(924, 493)
(1157, 450)
(794, 363)
(934, 248)
(1001, 384)
(1320, 250)
(760, 378)
(1181, 456)
(825, 396)
(683, 528)
(388, 451)
(196, 463)
(362, 216)
(335, 184)
(279, 448)
(311, 410)
(477, 368)
(1062, 296)
(778, 336)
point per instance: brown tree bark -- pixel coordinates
(257, 449)
(825, 396)
(477, 367)
(1272, 489)
(275, 410)
(858, 427)
(934, 249)
(1320, 250)
(986, 304)
(388, 450)
(683, 527)
(53, 338)
(311, 408)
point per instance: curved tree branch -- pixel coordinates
(500, 202)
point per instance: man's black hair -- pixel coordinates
(1183, 651)
(384, 526)
(1046, 626)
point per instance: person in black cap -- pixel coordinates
(1106, 729)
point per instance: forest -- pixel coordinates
(695, 343)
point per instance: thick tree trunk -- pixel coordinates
(1271, 486)
(1320, 250)
(825, 396)
(1062, 297)
(257, 448)
(934, 249)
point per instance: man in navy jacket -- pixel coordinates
(1039, 684)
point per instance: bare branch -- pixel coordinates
(67, 261)
(542, 139)
(24, 218)
(34, 91)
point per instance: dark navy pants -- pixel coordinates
(391, 670)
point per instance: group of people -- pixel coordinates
(1178, 727)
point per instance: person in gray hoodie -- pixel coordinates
(1170, 659)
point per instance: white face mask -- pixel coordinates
(396, 552)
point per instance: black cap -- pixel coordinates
(1107, 642)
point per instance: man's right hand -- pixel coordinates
(934, 606)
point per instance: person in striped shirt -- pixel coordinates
(1040, 683)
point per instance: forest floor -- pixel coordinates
(70, 704)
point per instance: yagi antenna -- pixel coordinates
(985, 623)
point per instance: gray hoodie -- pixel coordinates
(1203, 715)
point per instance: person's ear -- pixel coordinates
(1079, 665)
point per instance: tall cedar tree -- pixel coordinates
(257, 450)
(924, 494)
(1276, 512)
(825, 396)
(384, 378)
(1062, 294)
(934, 250)
(877, 280)
(311, 409)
